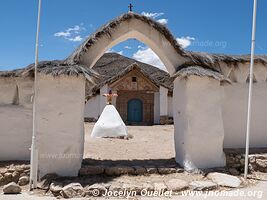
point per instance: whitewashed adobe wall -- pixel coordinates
(198, 124)
(103, 99)
(156, 108)
(15, 118)
(163, 101)
(92, 107)
(59, 122)
(235, 108)
(170, 108)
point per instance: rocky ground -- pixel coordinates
(143, 164)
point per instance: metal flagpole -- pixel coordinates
(250, 87)
(34, 150)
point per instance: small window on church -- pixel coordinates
(134, 79)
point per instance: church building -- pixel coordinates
(144, 91)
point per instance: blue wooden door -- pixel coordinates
(135, 110)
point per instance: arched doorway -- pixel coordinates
(135, 111)
(187, 111)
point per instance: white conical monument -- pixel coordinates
(109, 123)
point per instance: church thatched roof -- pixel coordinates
(112, 66)
(108, 28)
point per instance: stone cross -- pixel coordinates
(130, 8)
(109, 96)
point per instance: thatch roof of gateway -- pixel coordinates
(200, 71)
(112, 66)
(110, 26)
(196, 58)
(54, 68)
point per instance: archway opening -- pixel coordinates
(141, 88)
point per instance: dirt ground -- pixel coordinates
(148, 143)
(149, 146)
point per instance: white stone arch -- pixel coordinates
(197, 100)
(131, 26)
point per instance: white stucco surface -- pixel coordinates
(198, 123)
(92, 107)
(163, 101)
(235, 115)
(7, 90)
(15, 120)
(109, 124)
(156, 108)
(103, 99)
(16, 131)
(170, 108)
(60, 131)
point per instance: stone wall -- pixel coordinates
(235, 159)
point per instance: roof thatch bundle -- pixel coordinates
(213, 60)
(112, 66)
(11, 73)
(109, 28)
(200, 71)
(54, 68)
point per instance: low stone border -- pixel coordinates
(15, 173)
(173, 186)
(87, 170)
(235, 161)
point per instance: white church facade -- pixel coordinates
(209, 101)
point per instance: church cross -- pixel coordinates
(109, 96)
(130, 8)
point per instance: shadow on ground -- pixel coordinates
(147, 162)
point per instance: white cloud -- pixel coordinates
(72, 33)
(163, 21)
(77, 38)
(62, 34)
(185, 41)
(113, 51)
(152, 15)
(140, 47)
(120, 52)
(155, 16)
(146, 55)
(127, 47)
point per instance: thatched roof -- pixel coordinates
(110, 26)
(112, 66)
(54, 68)
(200, 71)
(11, 73)
(212, 60)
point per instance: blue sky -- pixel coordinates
(217, 26)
